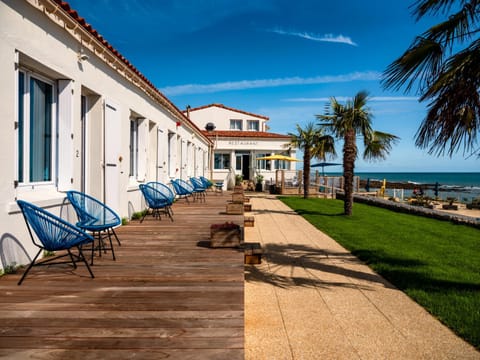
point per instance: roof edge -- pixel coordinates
(227, 108)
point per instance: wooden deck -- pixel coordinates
(166, 296)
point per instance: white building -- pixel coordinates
(77, 115)
(239, 138)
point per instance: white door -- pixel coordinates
(112, 141)
(162, 146)
(65, 138)
(84, 148)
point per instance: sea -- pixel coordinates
(464, 186)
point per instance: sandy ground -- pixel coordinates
(462, 210)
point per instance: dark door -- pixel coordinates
(246, 167)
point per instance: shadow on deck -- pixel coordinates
(165, 296)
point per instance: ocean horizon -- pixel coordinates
(462, 185)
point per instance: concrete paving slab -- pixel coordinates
(311, 299)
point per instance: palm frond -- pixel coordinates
(419, 63)
(458, 27)
(453, 114)
(379, 145)
(433, 7)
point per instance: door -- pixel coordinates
(83, 151)
(112, 143)
(246, 167)
(162, 144)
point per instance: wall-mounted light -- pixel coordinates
(82, 56)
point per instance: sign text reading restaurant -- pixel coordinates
(242, 142)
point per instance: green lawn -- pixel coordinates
(437, 263)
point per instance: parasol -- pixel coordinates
(323, 164)
(278, 157)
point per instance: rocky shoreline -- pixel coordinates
(377, 184)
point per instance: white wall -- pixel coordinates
(31, 41)
(221, 117)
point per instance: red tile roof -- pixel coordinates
(244, 134)
(74, 15)
(228, 108)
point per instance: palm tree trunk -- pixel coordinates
(349, 156)
(306, 172)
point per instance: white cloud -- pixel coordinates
(266, 83)
(344, 98)
(317, 37)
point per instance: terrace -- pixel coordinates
(167, 295)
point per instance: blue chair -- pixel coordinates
(216, 186)
(53, 234)
(183, 189)
(206, 183)
(156, 200)
(97, 218)
(165, 190)
(199, 190)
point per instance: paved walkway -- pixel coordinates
(311, 299)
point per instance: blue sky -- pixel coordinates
(280, 58)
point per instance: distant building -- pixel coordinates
(239, 138)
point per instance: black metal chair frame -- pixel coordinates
(90, 211)
(45, 225)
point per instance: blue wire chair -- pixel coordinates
(97, 218)
(216, 186)
(199, 190)
(156, 200)
(165, 190)
(53, 234)
(207, 184)
(183, 189)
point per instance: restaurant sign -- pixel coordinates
(242, 142)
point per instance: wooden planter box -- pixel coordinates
(247, 207)
(253, 253)
(235, 208)
(238, 197)
(249, 221)
(238, 189)
(225, 235)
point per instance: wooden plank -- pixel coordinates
(168, 295)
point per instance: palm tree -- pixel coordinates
(314, 144)
(347, 122)
(444, 62)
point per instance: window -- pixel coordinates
(36, 128)
(222, 161)
(139, 131)
(263, 164)
(133, 148)
(236, 124)
(238, 162)
(253, 125)
(282, 164)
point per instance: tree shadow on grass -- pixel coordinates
(409, 280)
(405, 274)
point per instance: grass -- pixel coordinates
(437, 263)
